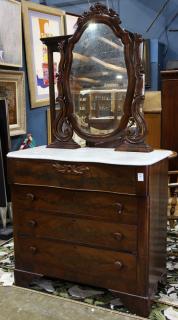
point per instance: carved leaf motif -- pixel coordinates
(61, 45)
(71, 169)
(98, 9)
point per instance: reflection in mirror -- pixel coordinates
(98, 80)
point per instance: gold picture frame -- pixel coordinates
(40, 21)
(12, 87)
(11, 24)
(48, 120)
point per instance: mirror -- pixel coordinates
(98, 80)
(100, 84)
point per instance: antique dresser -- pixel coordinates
(92, 216)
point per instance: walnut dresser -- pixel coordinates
(92, 216)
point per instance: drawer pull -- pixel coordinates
(30, 196)
(33, 250)
(119, 207)
(32, 223)
(118, 236)
(118, 264)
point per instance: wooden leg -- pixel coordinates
(24, 279)
(136, 304)
(3, 215)
(163, 279)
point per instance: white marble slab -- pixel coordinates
(96, 155)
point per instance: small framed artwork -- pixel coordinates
(11, 25)
(70, 23)
(12, 89)
(40, 22)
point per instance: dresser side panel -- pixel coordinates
(158, 182)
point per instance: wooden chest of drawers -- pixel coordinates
(95, 223)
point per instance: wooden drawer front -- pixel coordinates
(82, 231)
(86, 176)
(87, 265)
(95, 205)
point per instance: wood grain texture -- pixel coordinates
(98, 177)
(169, 117)
(105, 229)
(153, 121)
(75, 230)
(157, 223)
(101, 206)
(77, 263)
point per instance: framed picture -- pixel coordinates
(39, 22)
(5, 142)
(11, 25)
(70, 23)
(12, 88)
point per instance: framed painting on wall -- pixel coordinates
(70, 22)
(39, 22)
(12, 88)
(11, 24)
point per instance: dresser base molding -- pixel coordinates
(136, 304)
(24, 278)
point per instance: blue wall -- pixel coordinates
(171, 38)
(36, 118)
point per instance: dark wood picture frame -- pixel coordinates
(146, 62)
(5, 148)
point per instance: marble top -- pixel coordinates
(95, 155)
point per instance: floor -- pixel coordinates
(24, 304)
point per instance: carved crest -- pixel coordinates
(98, 9)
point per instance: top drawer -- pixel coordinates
(86, 176)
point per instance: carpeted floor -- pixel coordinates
(165, 306)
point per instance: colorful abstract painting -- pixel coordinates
(40, 22)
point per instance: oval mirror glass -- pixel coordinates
(98, 80)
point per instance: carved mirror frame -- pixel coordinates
(131, 131)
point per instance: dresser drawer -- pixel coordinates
(104, 268)
(95, 205)
(87, 176)
(113, 236)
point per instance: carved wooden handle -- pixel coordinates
(71, 168)
(119, 207)
(118, 264)
(32, 223)
(30, 196)
(33, 250)
(118, 236)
